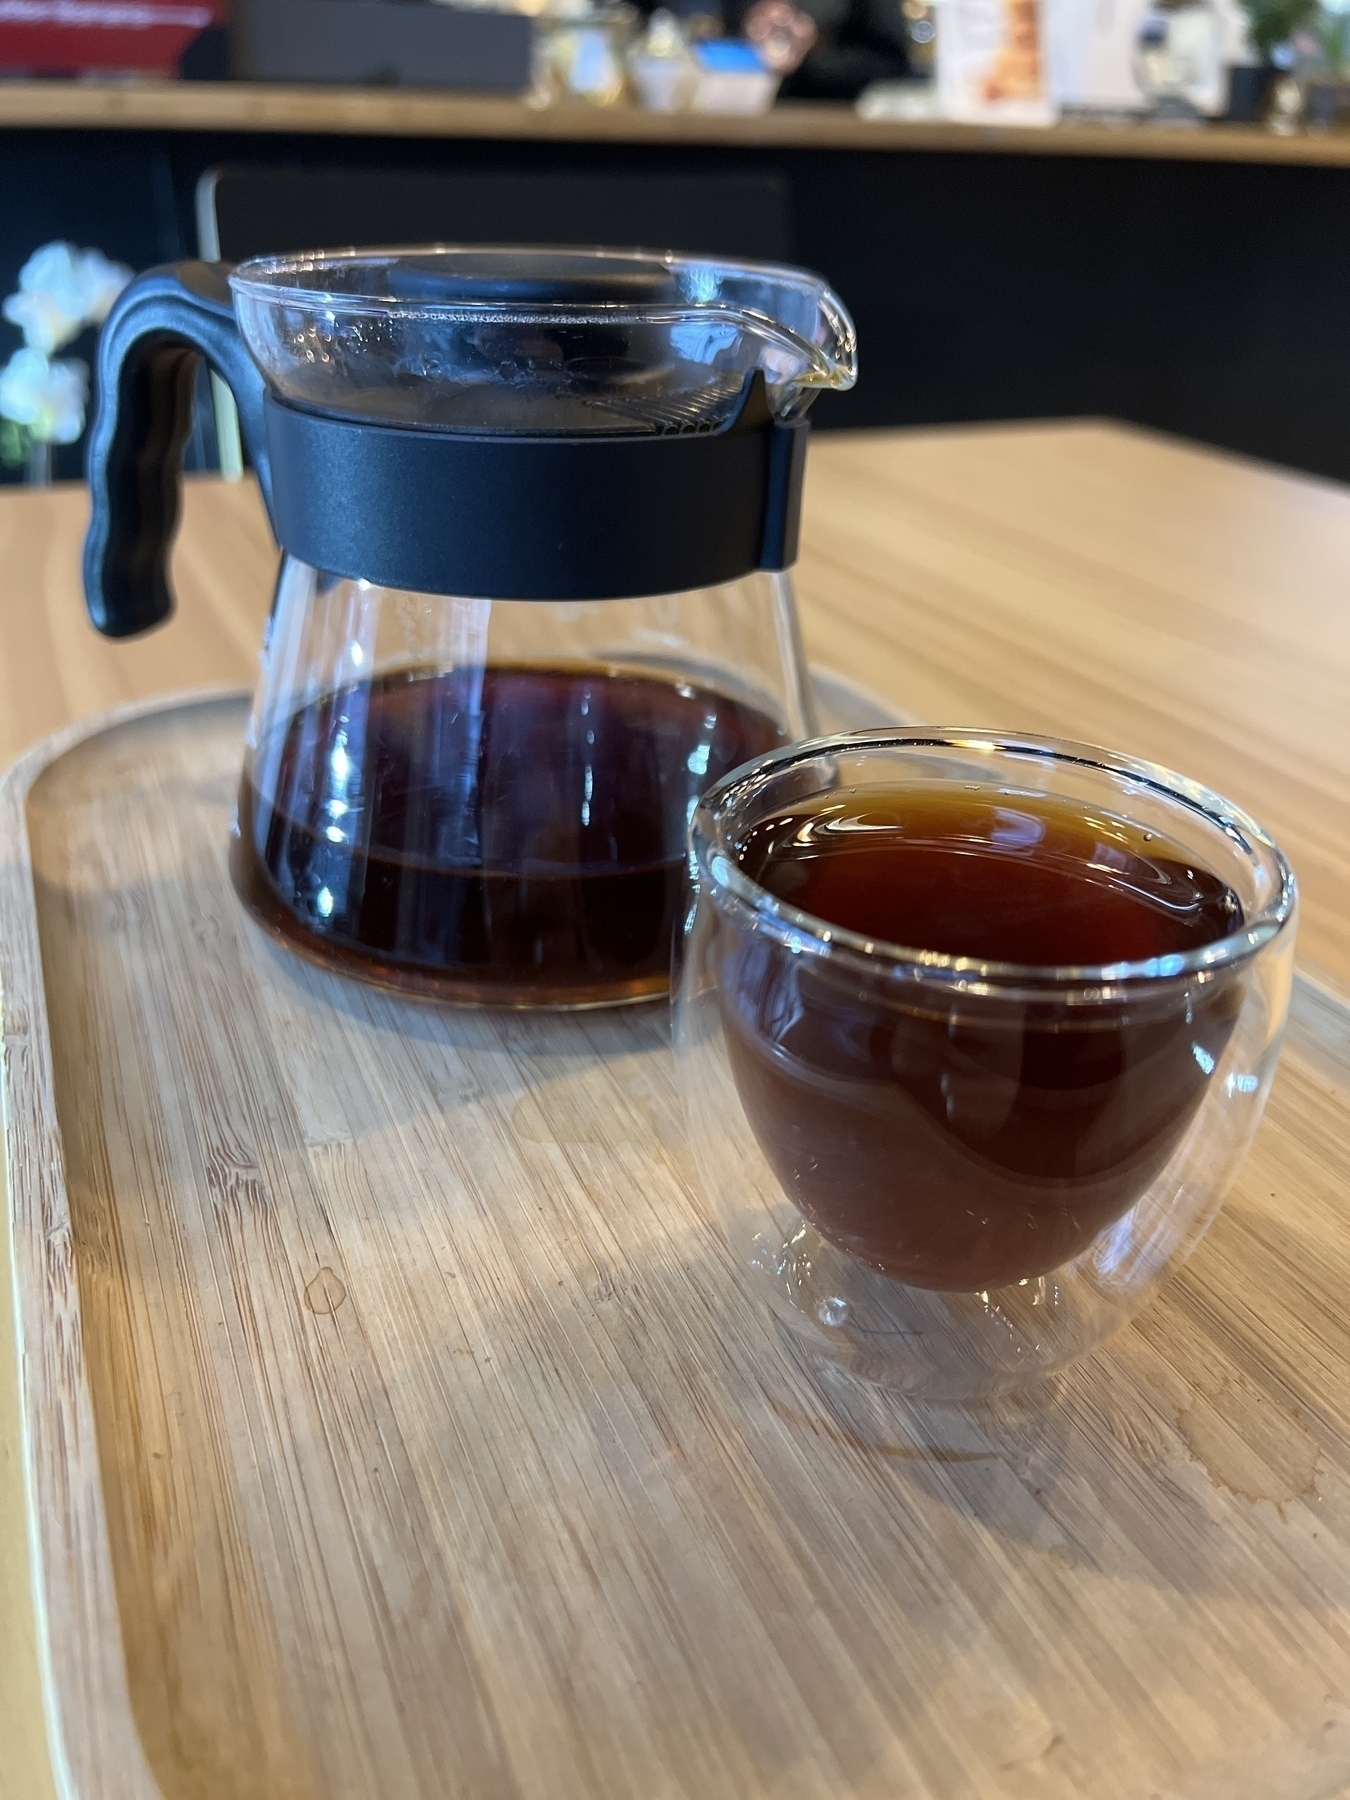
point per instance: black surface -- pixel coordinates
(1249, 91)
(536, 518)
(1207, 299)
(418, 46)
(260, 211)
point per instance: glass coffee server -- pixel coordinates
(537, 510)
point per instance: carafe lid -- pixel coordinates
(549, 342)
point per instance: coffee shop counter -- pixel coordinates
(403, 112)
(1188, 280)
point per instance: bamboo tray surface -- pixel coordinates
(396, 1425)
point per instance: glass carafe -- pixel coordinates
(537, 510)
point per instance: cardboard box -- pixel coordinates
(402, 45)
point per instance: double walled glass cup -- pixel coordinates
(952, 1177)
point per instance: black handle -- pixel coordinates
(147, 365)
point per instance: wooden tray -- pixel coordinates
(396, 1426)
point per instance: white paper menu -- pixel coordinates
(991, 62)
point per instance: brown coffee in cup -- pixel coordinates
(941, 1134)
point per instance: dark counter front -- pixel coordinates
(1188, 286)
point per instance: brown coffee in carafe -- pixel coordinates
(510, 834)
(949, 1138)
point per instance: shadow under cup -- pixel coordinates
(950, 1175)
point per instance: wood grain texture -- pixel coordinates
(408, 112)
(1113, 586)
(25, 1772)
(1163, 599)
(54, 669)
(400, 1428)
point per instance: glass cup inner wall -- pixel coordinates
(487, 801)
(952, 1178)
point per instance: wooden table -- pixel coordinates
(1079, 579)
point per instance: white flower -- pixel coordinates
(61, 290)
(49, 306)
(48, 397)
(45, 324)
(103, 281)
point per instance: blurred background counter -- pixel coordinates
(1194, 281)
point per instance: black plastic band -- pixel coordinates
(536, 518)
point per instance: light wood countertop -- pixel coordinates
(1083, 579)
(409, 112)
(1079, 579)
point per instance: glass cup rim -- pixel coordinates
(713, 859)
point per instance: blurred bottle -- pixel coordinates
(581, 53)
(1178, 61)
(662, 69)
